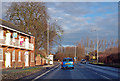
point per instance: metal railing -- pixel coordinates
(16, 43)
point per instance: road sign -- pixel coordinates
(75, 57)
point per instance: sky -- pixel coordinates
(81, 19)
(60, 0)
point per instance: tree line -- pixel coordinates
(85, 48)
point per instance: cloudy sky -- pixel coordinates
(80, 19)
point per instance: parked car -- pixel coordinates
(67, 63)
(83, 61)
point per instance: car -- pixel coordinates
(83, 61)
(67, 63)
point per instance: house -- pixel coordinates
(40, 58)
(17, 48)
(50, 57)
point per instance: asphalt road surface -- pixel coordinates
(82, 71)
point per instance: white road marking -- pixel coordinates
(105, 77)
(100, 74)
(44, 73)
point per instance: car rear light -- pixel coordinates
(73, 62)
(62, 63)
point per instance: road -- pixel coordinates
(81, 71)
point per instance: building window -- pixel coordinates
(1, 34)
(19, 56)
(32, 57)
(32, 40)
(1, 54)
(13, 55)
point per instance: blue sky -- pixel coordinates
(78, 19)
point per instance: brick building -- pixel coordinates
(17, 48)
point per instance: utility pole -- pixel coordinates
(48, 38)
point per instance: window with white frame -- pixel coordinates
(1, 54)
(13, 55)
(33, 43)
(32, 57)
(19, 56)
(1, 33)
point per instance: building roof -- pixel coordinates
(12, 26)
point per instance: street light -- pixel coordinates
(97, 45)
(75, 53)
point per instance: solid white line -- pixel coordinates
(105, 77)
(44, 73)
(100, 75)
(41, 75)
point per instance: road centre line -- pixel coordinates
(44, 73)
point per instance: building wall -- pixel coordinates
(40, 61)
(16, 63)
(10, 49)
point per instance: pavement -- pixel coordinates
(81, 72)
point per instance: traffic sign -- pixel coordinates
(75, 57)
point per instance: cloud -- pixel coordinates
(5, 6)
(0, 10)
(109, 22)
(60, 0)
(54, 11)
(79, 19)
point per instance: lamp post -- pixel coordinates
(75, 53)
(97, 45)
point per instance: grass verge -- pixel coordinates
(102, 64)
(14, 74)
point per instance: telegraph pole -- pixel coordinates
(48, 38)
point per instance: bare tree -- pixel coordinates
(91, 45)
(31, 17)
(112, 42)
(105, 44)
(116, 43)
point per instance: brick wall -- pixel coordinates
(16, 63)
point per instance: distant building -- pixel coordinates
(50, 57)
(17, 48)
